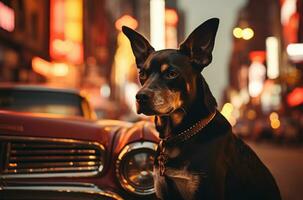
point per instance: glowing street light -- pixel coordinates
(246, 33)
(295, 52)
(157, 24)
(272, 57)
(126, 20)
(171, 17)
(237, 32)
(256, 73)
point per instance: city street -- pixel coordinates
(286, 164)
(81, 81)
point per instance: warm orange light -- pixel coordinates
(73, 9)
(62, 46)
(76, 54)
(60, 69)
(257, 56)
(274, 120)
(295, 98)
(247, 33)
(275, 124)
(126, 20)
(251, 114)
(273, 116)
(66, 30)
(41, 66)
(49, 69)
(73, 20)
(171, 17)
(237, 32)
(7, 17)
(13, 164)
(227, 111)
(73, 31)
(57, 16)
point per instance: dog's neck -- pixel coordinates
(202, 106)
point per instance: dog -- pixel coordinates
(198, 156)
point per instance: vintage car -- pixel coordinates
(70, 155)
(43, 99)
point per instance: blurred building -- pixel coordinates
(77, 43)
(263, 20)
(266, 67)
(52, 39)
(24, 33)
(99, 38)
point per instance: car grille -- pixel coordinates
(25, 157)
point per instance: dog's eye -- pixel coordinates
(171, 74)
(142, 75)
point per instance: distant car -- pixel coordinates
(42, 99)
(69, 155)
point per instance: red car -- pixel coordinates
(54, 149)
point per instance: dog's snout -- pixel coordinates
(142, 97)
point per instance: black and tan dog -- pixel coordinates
(198, 156)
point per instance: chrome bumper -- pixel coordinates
(52, 191)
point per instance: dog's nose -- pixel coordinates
(142, 97)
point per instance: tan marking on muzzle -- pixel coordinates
(158, 99)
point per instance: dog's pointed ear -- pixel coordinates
(200, 43)
(140, 46)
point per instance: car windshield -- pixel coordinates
(66, 104)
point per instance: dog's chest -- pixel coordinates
(185, 182)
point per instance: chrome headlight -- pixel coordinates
(134, 167)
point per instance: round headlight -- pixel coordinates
(134, 167)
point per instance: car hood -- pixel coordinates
(48, 126)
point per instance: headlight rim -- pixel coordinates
(132, 147)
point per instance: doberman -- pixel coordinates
(198, 156)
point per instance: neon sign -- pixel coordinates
(66, 31)
(295, 98)
(7, 18)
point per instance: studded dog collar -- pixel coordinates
(182, 137)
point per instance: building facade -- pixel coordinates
(24, 33)
(265, 72)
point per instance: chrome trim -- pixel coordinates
(93, 164)
(59, 140)
(58, 164)
(79, 188)
(41, 158)
(126, 150)
(50, 175)
(47, 170)
(55, 151)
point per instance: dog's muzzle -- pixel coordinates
(142, 97)
(144, 102)
(153, 102)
